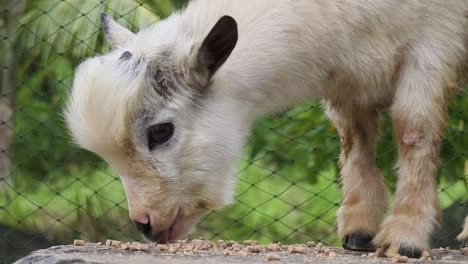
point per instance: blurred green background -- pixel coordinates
(51, 192)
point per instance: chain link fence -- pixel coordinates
(51, 192)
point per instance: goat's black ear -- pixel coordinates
(218, 45)
(116, 34)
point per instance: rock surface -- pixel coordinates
(92, 253)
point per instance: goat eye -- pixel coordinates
(159, 134)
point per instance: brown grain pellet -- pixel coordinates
(161, 247)
(230, 243)
(425, 255)
(274, 247)
(254, 249)
(272, 257)
(236, 247)
(297, 249)
(311, 244)
(229, 252)
(222, 244)
(400, 259)
(125, 246)
(173, 247)
(78, 242)
(137, 246)
(250, 243)
(204, 245)
(113, 243)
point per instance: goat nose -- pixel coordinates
(145, 229)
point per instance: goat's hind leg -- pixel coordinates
(364, 193)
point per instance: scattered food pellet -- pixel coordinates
(270, 252)
(320, 256)
(228, 252)
(203, 244)
(161, 247)
(297, 249)
(236, 247)
(425, 255)
(78, 242)
(113, 243)
(98, 244)
(445, 250)
(272, 257)
(274, 247)
(311, 244)
(125, 246)
(230, 243)
(400, 259)
(250, 243)
(137, 246)
(172, 250)
(222, 244)
(254, 249)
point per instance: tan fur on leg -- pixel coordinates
(415, 213)
(365, 196)
(419, 115)
(463, 236)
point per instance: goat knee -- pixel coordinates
(412, 137)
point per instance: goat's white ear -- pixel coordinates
(217, 46)
(116, 34)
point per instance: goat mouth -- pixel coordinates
(180, 227)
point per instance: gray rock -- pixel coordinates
(97, 254)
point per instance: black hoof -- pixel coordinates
(410, 252)
(358, 242)
(464, 244)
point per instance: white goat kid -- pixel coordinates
(170, 107)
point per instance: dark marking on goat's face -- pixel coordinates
(126, 55)
(105, 23)
(162, 78)
(166, 78)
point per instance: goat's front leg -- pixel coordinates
(364, 193)
(463, 236)
(419, 113)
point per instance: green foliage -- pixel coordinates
(55, 37)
